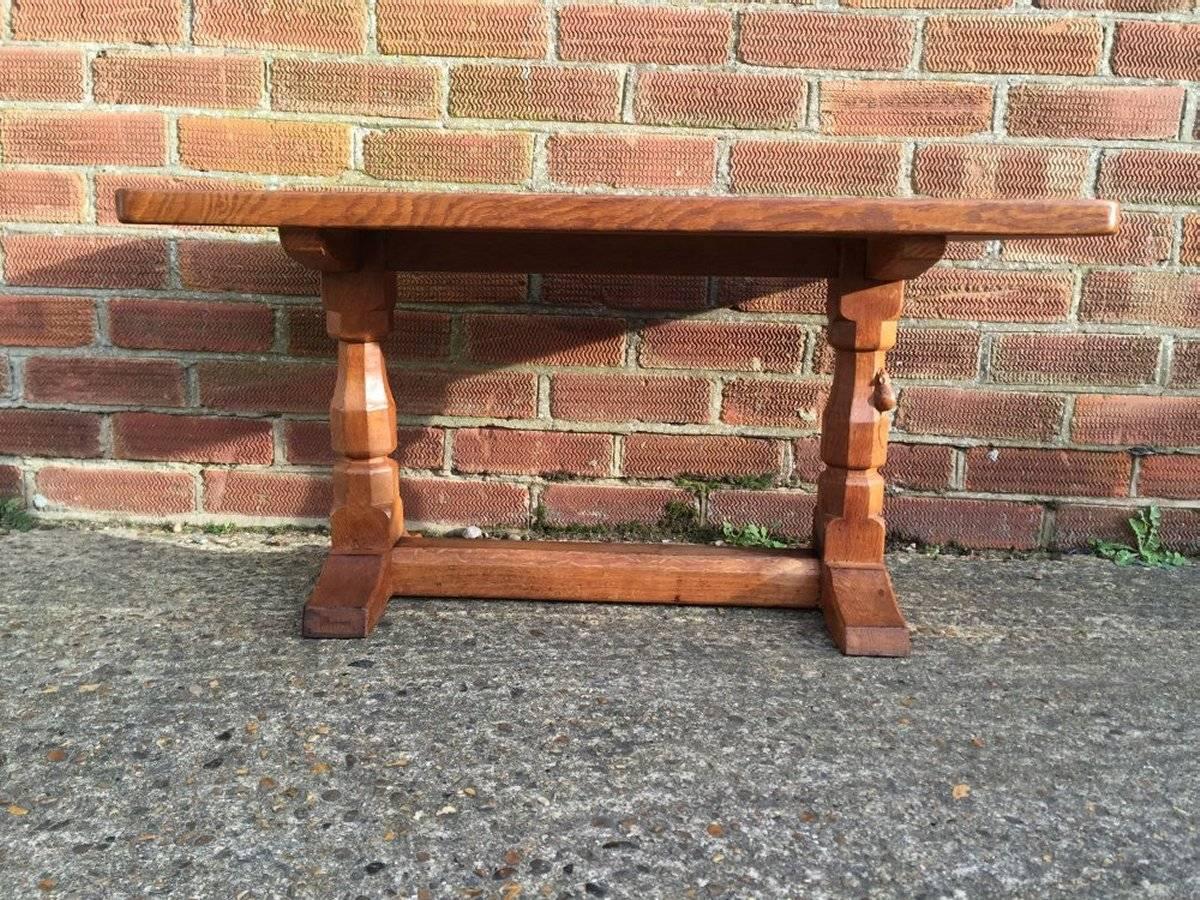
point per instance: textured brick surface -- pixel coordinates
(949, 353)
(1176, 476)
(629, 398)
(307, 442)
(728, 346)
(773, 295)
(991, 170)
(586, 504)
(271, 494)
(1078, 525)
(1157, 298)
(1061, 46)
(622, 161)
(1144, 239)
(1189, 245)
(783, 404)
(414, 335)
(10, 481)
(545, 340)
(1146, 6)
(191, 325)
(500, 450)
(482, 503)
(244, 266)
(1147, 49)
(1185, 367)
(784, 513)
(32, 73)
(336, 26)
(971, 412)
(814, 40)
(460, 287)
(147, 22)
(1042, 110)
(1074, 359)
(37, 196)
(815, 167)
(917, 467)
(1136, 420)
(905, 108)
(226, 81)
(270, 147)
(990, 295)
(462, 28)
(425, 155)
(626, 291)
(265, 387)
(140, 435)
(141, 491)
(645, 34)
(49, 432)
(713, 456)
(715, 99)
(83, 138)
(500, 395)
(974, 524)
(1150, 176)
(355, 88)
(1057, 472)
(84, 261)
(104, 380)
(44, 321)
(535, 92)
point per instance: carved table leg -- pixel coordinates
(856, 593)
(355, 583)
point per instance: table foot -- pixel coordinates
(350, 597)
(861, 610)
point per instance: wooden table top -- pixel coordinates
(595, 213)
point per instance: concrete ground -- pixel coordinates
(165, 732)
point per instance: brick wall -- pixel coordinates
(1046, 388)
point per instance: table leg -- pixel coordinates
(856, 593)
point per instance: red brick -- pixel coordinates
(815, 167)
(994, 170)
(463, 28)
(39, 74)
(708, 455)
(535, 92)
(336, 26)
(684, 292)
(141, 435)
(265, 387)
(428, 155)
(628, 398)
(1063, 473)
(917, 467)
(178, 79)
(414, 335)
(10, 481)
(107, 186)
(1143, 240)
(45, 432)
(786, 514)
(587, 504)
(1058, 46)
(1155, 298)
(1148, 49)
(989, 295)
(5, 376)
(927, 4)
(720, 99)
(30, 196)
(774, 295)
(94, 261)
(545, 340)
(905, 108)
(74, 137)
(274, 494)
(1086, 359)
(268, 146)
(41, 321)
(307, 442)
(1175, 476)
(114, 21)
(1144, 6)
(730, 346)
(1077, 526)
(438, 500)
(461, 287)
(631, 161)
(191, 325)
(500, 450)
(1100, 112)
(1185, 366)
(942, 353)
(1150, 176)
(1189, 247)
(956, 412)
(250, 267)
(494, 395)
(119, 490)
(819, 40)
(974, 524)
(355, 88)
(643, 34)
(783, 404)
(104, 380)
(1116, 420)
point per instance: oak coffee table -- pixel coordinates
(867, 248)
